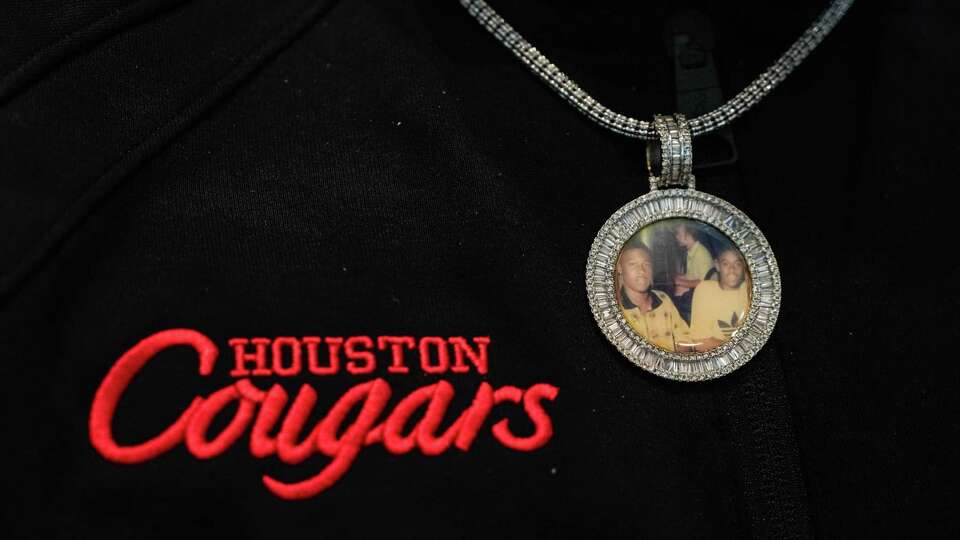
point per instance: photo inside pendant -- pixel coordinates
(682, 285)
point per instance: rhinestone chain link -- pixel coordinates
(633, 127)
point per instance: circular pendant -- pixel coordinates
(683, 284)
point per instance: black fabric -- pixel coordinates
(305, 167)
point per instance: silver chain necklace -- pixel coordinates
(633, 127)
(712, 315)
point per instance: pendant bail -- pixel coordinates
(670, 156)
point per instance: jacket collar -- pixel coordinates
(627, 304)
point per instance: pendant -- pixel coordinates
(682, 282)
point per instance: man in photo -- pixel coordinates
(720, 305)
(649, 312)
(698, 262)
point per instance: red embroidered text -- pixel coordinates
(259, 411)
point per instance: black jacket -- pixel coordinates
(350, 170)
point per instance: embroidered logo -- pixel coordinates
(260, 410)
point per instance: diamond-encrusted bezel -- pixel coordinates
(761, 263)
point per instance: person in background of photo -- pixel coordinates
(720, 305)
(698, 265)
(649, 312)
(699, 261)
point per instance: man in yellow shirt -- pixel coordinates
(720, 306)
(650, 313)
(699, 261)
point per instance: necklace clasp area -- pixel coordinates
(670, 154)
